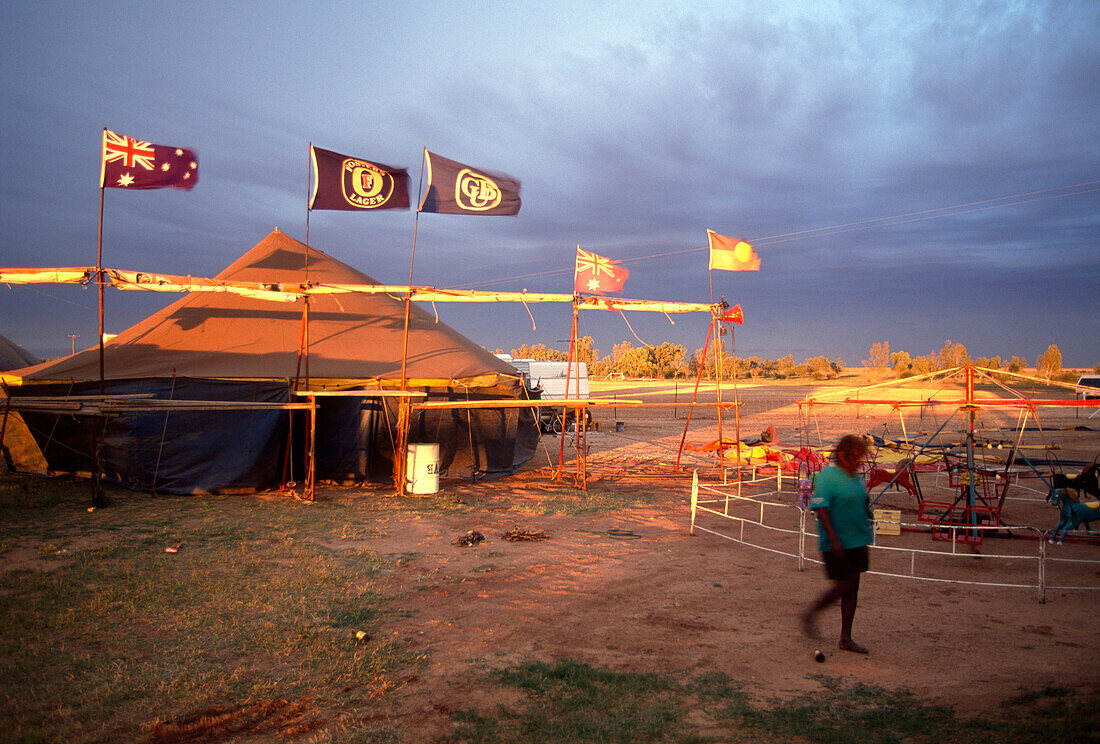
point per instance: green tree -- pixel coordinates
(1049, 363)
(785, 367)
(901, 363)
(602, 367)
(667, 359)
(924, 364)
(1017, 364)
(820, 368)
(880, 357)
(634, 362)
(952, 355)
(586, 351)
(540, 353)
(752, 367)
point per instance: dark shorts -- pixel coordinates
(847, 566)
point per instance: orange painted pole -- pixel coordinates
(695, 393)
(565, 409)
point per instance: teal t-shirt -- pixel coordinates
(846, 499)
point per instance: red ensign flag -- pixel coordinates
(595, 274)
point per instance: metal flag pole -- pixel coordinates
(303, 355)
(309, 187)
(736, 400)
(99, 284)
(305, 299)
(412, 258)
(98, 497)
(695, 394)
(568, 374)
(403, 412)
(719, 345)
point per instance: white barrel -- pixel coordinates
(422, 468)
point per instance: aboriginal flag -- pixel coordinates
(454, 188)
(342, 182)
(133, 164)
(596, 274)
(731, 254)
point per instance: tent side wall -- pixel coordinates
(355, 436)
(483, 442)
(171, 452)
(195, 452)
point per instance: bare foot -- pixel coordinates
(809, 627)
(850, 645)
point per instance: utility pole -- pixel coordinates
(74, 337)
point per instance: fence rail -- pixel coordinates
(788, 522)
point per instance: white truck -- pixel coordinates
(1084, 383)
(549, 379)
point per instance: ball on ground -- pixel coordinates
(819, 657)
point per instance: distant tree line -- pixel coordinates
(668, 361)
(900, 364)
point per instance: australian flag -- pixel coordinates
(129, 163)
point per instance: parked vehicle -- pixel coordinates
(1088, 381)
(547, 381)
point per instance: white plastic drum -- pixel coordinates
(422, 468)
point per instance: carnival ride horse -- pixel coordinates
(1072, 513)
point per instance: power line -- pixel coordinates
(858, 225)
(53, 297)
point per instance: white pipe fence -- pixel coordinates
(787, 522)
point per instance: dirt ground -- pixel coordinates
(633, 590)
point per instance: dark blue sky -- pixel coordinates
(634, 127)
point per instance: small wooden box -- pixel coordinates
(887, 522)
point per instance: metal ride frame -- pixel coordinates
(716, 502)
(977, 508)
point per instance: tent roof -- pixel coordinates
(14, 356)
(351, 336)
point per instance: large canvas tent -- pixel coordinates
(227, 347)
(17, 447)
(14, 356)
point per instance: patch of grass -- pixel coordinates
(112, 635)
(570, 702)
(571, 501)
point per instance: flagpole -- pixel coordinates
(305, 254)
(309, 188)
(718, 345)
(737, 400)
(98, 497)
(99, 283)
(568, 370)
(568, 374)
(695, 393)
(717, 364)
(403, 413)
(412, 258)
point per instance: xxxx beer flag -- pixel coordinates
(454, 188)
(133, 164)
(596, 274)
(342, 182)
(730, 254)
